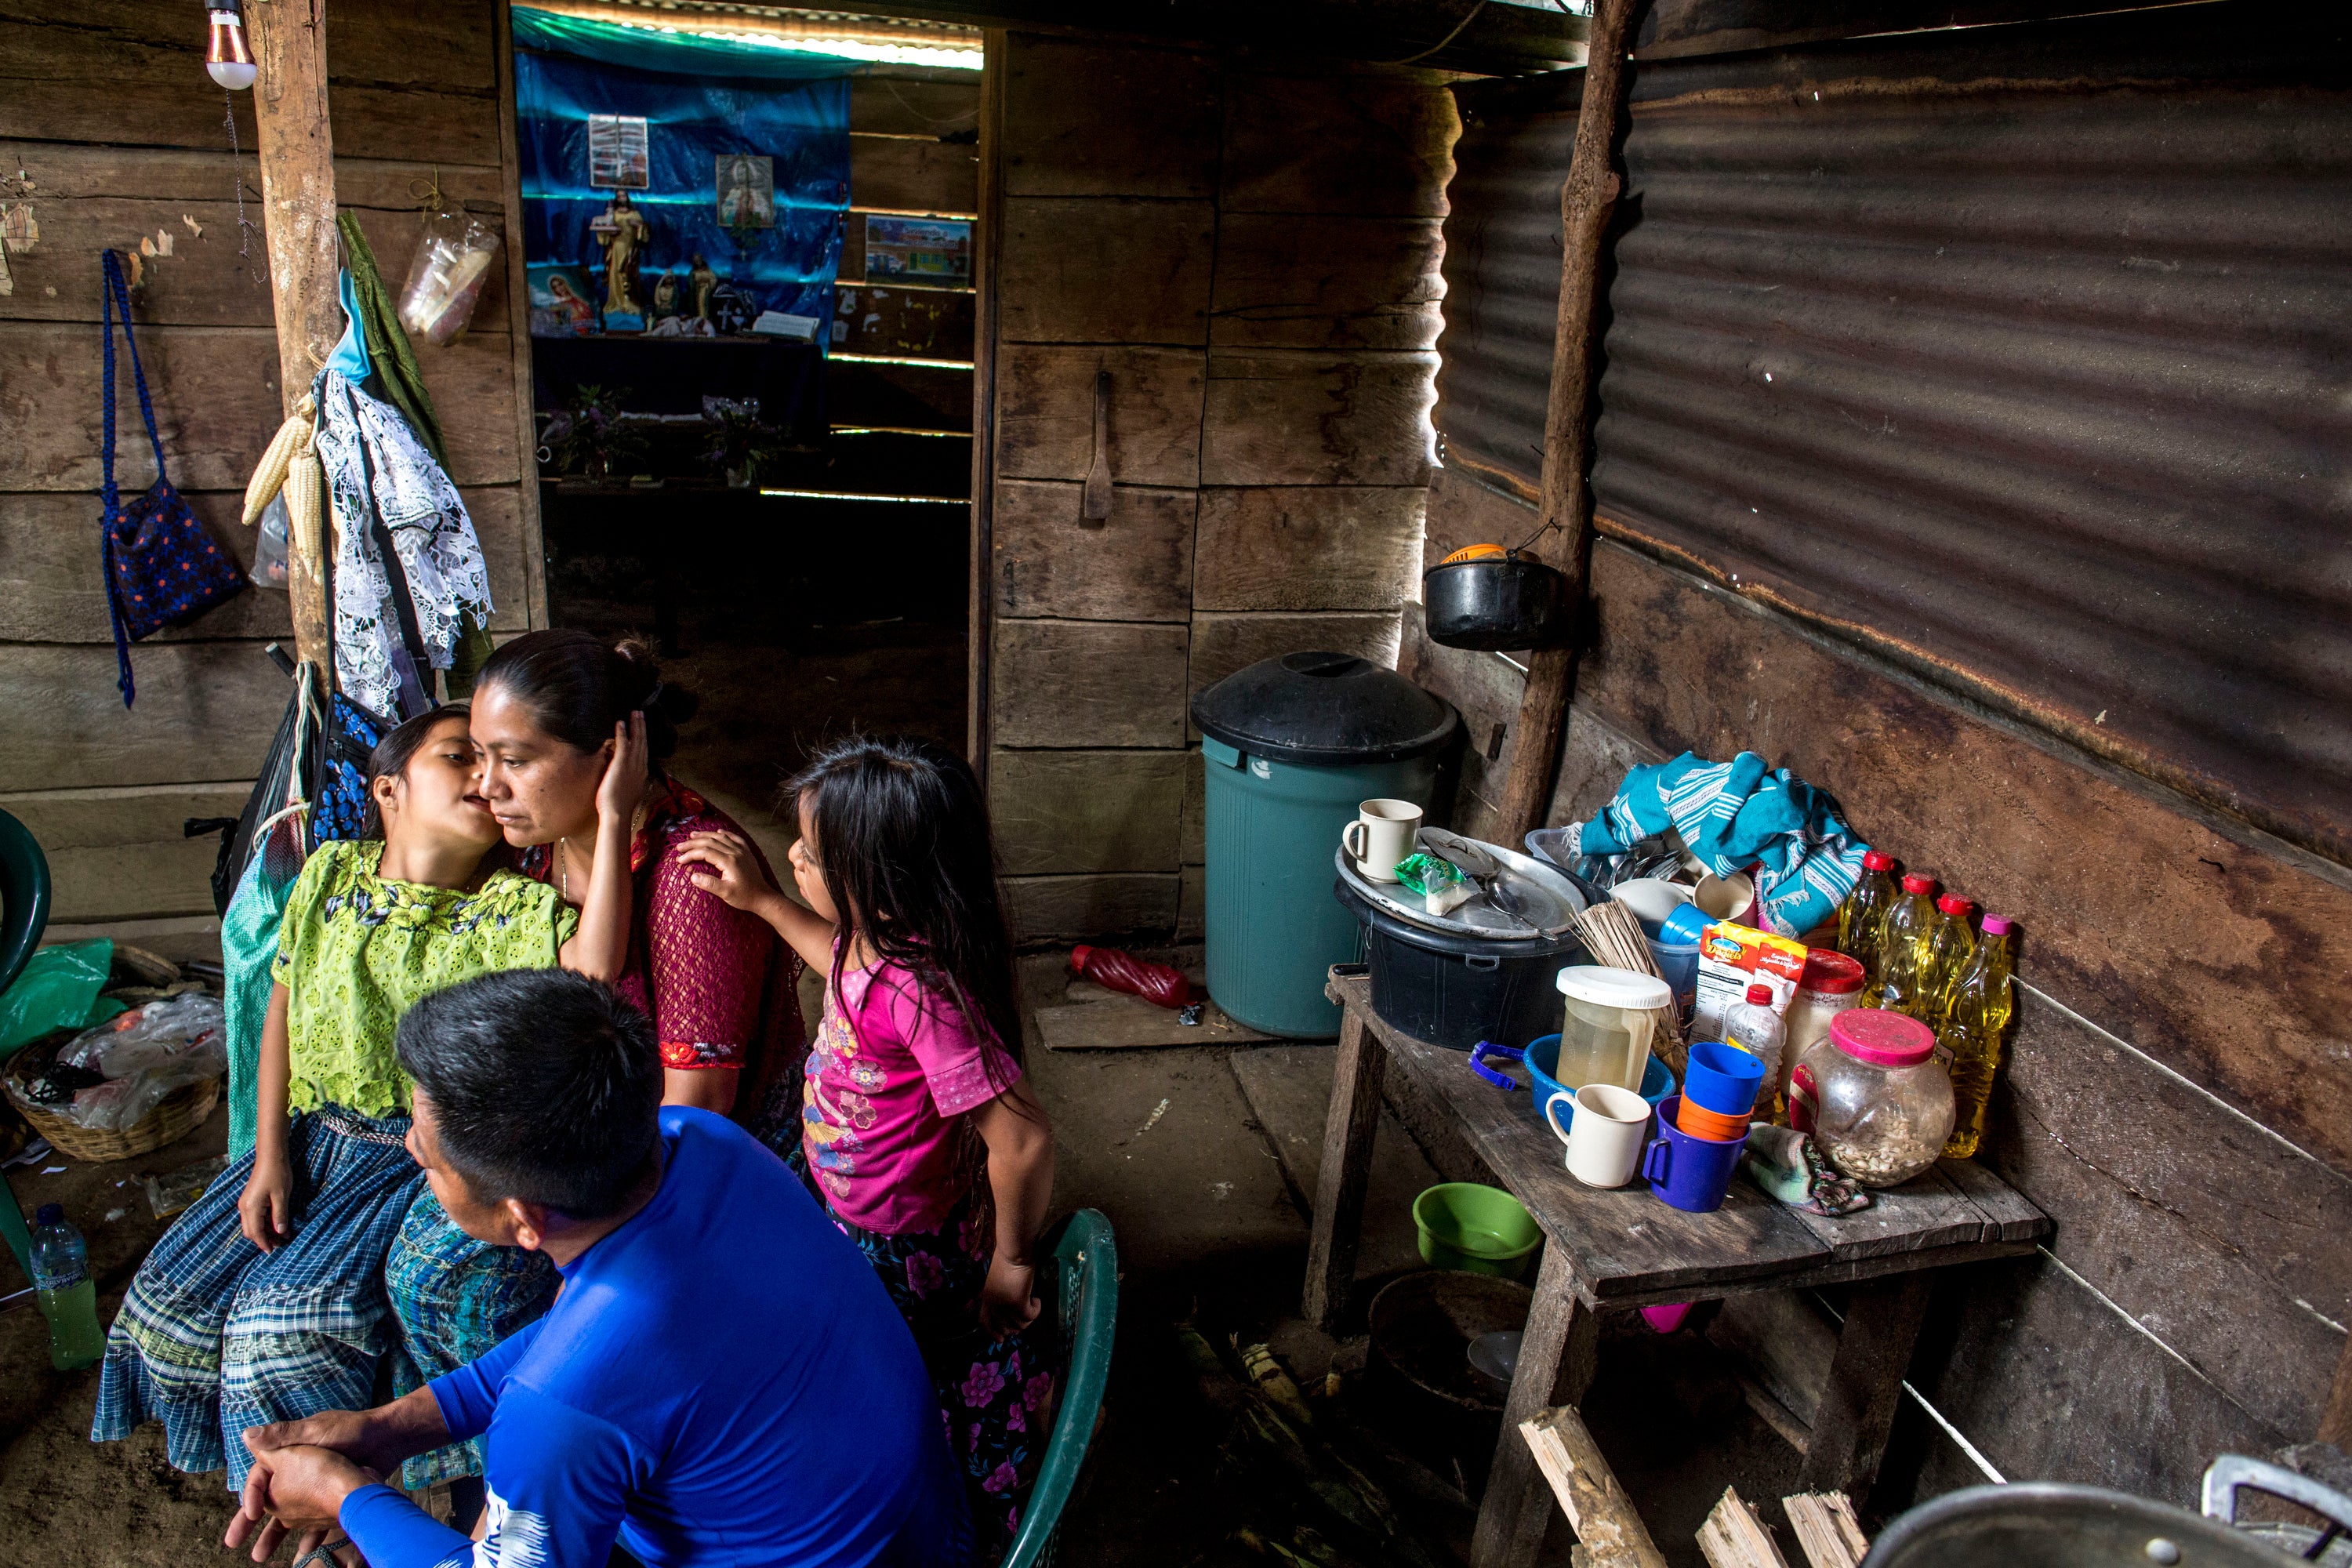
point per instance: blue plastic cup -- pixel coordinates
(1688, 1173)
(1677, 966)
(1722, 1079)
(1686, 924)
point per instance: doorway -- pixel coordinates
(769, 482)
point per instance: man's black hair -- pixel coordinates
(545, 1086)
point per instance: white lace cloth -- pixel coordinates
(431, 534)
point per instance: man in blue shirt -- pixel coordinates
(722, 1378)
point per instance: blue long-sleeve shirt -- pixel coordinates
(722, 1379)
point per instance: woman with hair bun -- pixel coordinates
(716, 982)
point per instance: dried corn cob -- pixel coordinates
(306, 501)
(269, 474)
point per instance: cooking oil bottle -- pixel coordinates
(1903, 948)
(1983, 1000)
(1950, 941)
(1864, 909)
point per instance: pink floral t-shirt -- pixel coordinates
(882, 1123)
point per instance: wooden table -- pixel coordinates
(1624, 1248)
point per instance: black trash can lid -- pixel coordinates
(1323, 708)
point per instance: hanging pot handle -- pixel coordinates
(2231, 1471)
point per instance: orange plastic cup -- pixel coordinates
(1700, 1122)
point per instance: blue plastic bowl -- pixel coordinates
(1543, 1060)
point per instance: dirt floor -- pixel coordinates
(1202, 1157)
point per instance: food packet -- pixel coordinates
(1731, 958)
(1440, 882)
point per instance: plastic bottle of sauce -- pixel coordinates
(1983, 1000)
(1950, 941)
(1903, 948)
(1864, 910)
(1754, 1028)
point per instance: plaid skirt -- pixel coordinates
(456, 1298)
(216, 1335)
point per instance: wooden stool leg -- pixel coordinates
(1347, 1128)
(1557, 1359)
(1865, 1382)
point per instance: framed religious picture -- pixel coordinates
(618, 158)
(747, 192)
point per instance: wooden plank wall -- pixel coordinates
(2177, 1097)
(110, 114)
(1251, 250)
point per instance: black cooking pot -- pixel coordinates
(1495, 603)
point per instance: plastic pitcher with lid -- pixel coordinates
(1611, 1015)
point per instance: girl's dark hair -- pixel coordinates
(903, 842)
(393, 755)
(576, 688)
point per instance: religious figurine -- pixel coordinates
(623, 231)
(702, 280)
(666, 295)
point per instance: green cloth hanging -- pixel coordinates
(394, 363)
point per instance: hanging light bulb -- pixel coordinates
(226, 59)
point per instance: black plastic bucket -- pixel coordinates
(1454, 990)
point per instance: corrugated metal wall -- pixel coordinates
(2020, 353)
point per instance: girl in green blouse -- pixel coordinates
(267, 1301)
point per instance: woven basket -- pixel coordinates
(181, 1112)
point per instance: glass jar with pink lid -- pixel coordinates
(1873, 1096)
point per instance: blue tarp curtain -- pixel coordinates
(791, 109)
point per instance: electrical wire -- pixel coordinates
(1413, 60)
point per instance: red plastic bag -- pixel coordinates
(1107, 966)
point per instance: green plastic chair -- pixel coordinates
(24, 916)
(1082, 1292)
(24, 896)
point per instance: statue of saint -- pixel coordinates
(702, 281)
(666, 295)
(623, 231)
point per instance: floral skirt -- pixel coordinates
(216, 1335)
(995, 1395)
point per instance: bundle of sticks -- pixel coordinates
(1615, 939)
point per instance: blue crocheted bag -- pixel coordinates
(162, 566)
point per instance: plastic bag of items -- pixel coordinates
(144, 1055)
(446, 278)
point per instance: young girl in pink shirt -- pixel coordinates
(915, 1126)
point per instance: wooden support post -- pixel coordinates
(1586, 202)
(1607, 1525)
(1558, 1353)
(1866, 1383)
(298, 200)
(2336, 1420)
(1349, 1126)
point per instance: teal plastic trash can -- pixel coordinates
(1292, 745)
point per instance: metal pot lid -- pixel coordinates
(1323, 708)
(1542, 892)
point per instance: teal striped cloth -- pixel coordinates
(1741, 816)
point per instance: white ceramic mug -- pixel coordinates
(1604, 1141)
(1381, 835)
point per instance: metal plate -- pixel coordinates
(1551, 897)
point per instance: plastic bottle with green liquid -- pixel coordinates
(1903, 948)
(1860, 917)
(68, 1299)
(1976, 1017)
